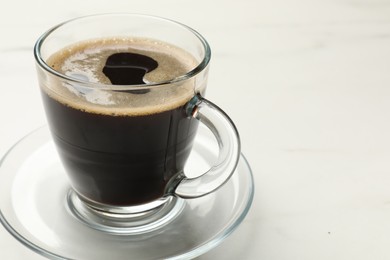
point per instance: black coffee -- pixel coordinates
(126, 68)
(120, 147)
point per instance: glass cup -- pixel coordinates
(124, 146)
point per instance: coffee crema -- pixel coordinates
(121, 147)
(86, 61)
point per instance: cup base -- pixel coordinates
(125, 220)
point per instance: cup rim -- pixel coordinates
(199, 68)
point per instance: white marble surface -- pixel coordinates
(308, 85)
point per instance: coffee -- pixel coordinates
(126, 68)
(121, 146)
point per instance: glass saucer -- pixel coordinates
(33, 208)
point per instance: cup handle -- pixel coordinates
(229, 149)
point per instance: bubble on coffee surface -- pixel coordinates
(91, 61)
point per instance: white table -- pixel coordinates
(308, 85)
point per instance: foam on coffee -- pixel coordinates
(86, 60)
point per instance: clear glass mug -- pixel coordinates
(125, 160)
